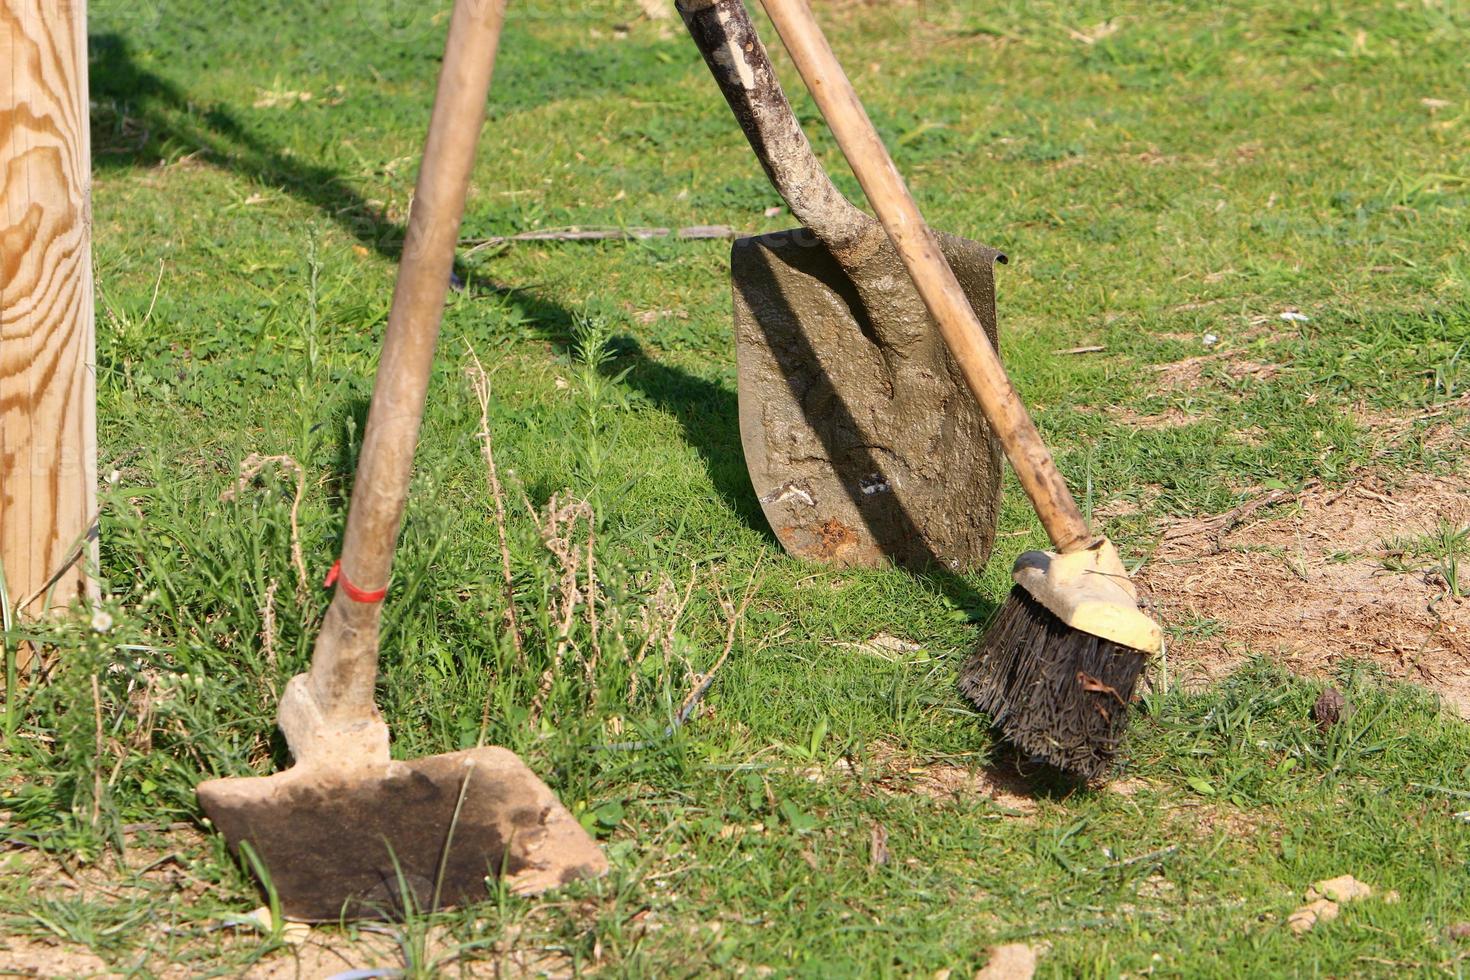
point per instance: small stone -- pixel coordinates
(292, 933)
(1306, 917)
(1013, 961)
(1344, 888)
(260, 918)
(295, 933)
(1329, 708)
(1460, 931)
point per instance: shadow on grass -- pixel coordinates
(143, 117)
(140, 118)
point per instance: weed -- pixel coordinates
(1439, 552)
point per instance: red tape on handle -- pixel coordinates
(353, 592)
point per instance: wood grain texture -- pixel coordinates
(47, 340)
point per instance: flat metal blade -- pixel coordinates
(370, 841)
(861, 439)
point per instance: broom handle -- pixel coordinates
(345, 661)
(919, 248)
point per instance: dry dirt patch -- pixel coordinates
(1436, 428)
(1190, 372)
(898, 773)
(36, 958)
(960, 783)
(1230, 357)
(1170, 418)
(1306, 579)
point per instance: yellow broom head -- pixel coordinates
(1089, 590)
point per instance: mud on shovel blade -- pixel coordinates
(862, 442)
(347, 832)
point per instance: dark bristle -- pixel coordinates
(1053, 691)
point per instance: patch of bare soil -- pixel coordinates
(1128, 787)
(1190, 372)
(1305, 577)
(1233, 822)
(326, 953)
(896, 773)
(1436, 428)
(1143, 497)
(36, 958)
(1170, 418)
(1229, 357)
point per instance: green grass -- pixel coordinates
(1443, 551)
(1200, 169)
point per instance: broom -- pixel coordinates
(1059, 662)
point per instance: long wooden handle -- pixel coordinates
(725, 36)
(345, 661)
(935, 281)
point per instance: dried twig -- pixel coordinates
(268, 624)
(575, 234)
(481, 382)
(1222, 524)
(702, 681)
(560, 544)
(664, 632)
(250, 468)
(592, 603)
(1082, 350)
(101, 742)
(74, 555)
(878, 854)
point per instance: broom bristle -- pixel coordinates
(1054, 691)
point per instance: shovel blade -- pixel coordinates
(378, 840)
(862, 441)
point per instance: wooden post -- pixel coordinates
(48, 434)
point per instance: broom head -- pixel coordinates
(1058, 665)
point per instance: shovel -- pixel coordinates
(347, 832)
(862, 441)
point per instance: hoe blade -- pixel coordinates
(375, 841)
(862, 441)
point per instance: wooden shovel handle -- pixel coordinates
(935, 281)
(725, 36)
(345, 661)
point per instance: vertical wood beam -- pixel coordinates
(48, 434)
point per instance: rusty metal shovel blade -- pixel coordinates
(380, 840)
(862, 442)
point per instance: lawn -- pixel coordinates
(1168, 179)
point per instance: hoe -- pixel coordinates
(347, 831)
